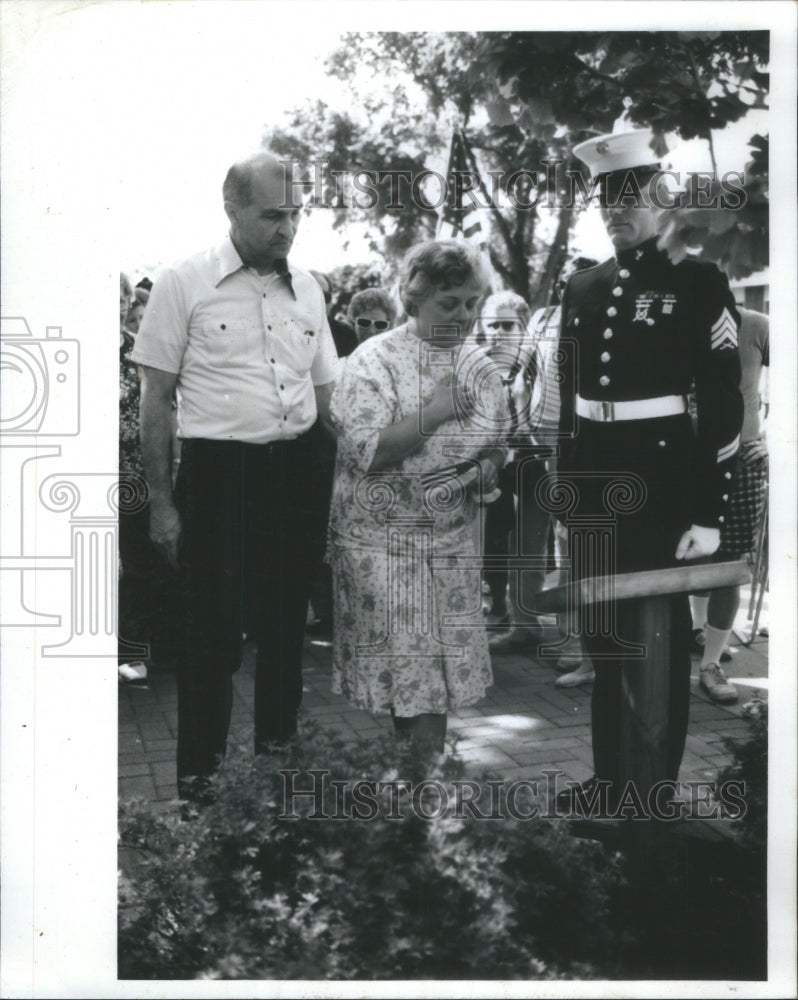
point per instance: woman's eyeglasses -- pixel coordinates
(505, 325)
(378, 324)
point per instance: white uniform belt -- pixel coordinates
(633, 409)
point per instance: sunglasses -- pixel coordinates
(378, 324)
(505, 325)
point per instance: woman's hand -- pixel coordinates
(447, 403)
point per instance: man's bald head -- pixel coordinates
(264, 215)
(237, 187)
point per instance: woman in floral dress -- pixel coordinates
(422, 418)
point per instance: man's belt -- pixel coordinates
(605, 411)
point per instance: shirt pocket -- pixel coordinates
(228, 343)
(299, 343)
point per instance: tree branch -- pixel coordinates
(696, 74)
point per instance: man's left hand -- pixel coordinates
(698, 541)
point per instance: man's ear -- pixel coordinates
(231, 211)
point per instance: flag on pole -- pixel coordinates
(462, 214)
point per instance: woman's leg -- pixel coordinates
(428, 729)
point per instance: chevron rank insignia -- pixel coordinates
(724, 332)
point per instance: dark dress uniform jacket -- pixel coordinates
(638, 327)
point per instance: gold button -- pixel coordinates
(604, 380)
(607, 334)
(617, 292)
(623, 273)
(612, 311)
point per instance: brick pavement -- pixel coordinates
(524, 723)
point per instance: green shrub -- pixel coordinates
(237, 892)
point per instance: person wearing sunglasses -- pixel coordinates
(371, 311)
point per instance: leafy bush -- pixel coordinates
(240, 891)
(750, 765)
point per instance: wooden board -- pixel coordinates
(689, 578)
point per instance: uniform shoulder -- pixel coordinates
(702, 270)
(589, 276)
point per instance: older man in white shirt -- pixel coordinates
(242, 338)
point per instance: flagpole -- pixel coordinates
(447, 175)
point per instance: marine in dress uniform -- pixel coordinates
(638, 333)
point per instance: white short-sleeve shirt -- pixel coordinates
(247, 349)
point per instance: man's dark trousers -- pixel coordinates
(659, 453)
(246, 534)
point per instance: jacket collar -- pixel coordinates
(645, 253)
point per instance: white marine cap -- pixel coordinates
(626, 150)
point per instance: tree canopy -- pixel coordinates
(525, 98)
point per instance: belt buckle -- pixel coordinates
(607, 409)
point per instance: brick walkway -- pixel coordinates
(523, 725)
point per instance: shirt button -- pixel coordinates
(285, 418)
(725, 496)
(661, 444)
(607, 335)
(727, 475)
(272, 360)
(268, 327)
(282, 386)
(604, 380)
(623, 273)
(576, 321)
(605, 357)
(612, 311)
(617, 292)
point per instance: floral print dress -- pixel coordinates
(408, 631)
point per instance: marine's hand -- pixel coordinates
(698, 541)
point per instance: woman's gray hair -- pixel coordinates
(506, 300)
(438, 264)
(372, 298)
